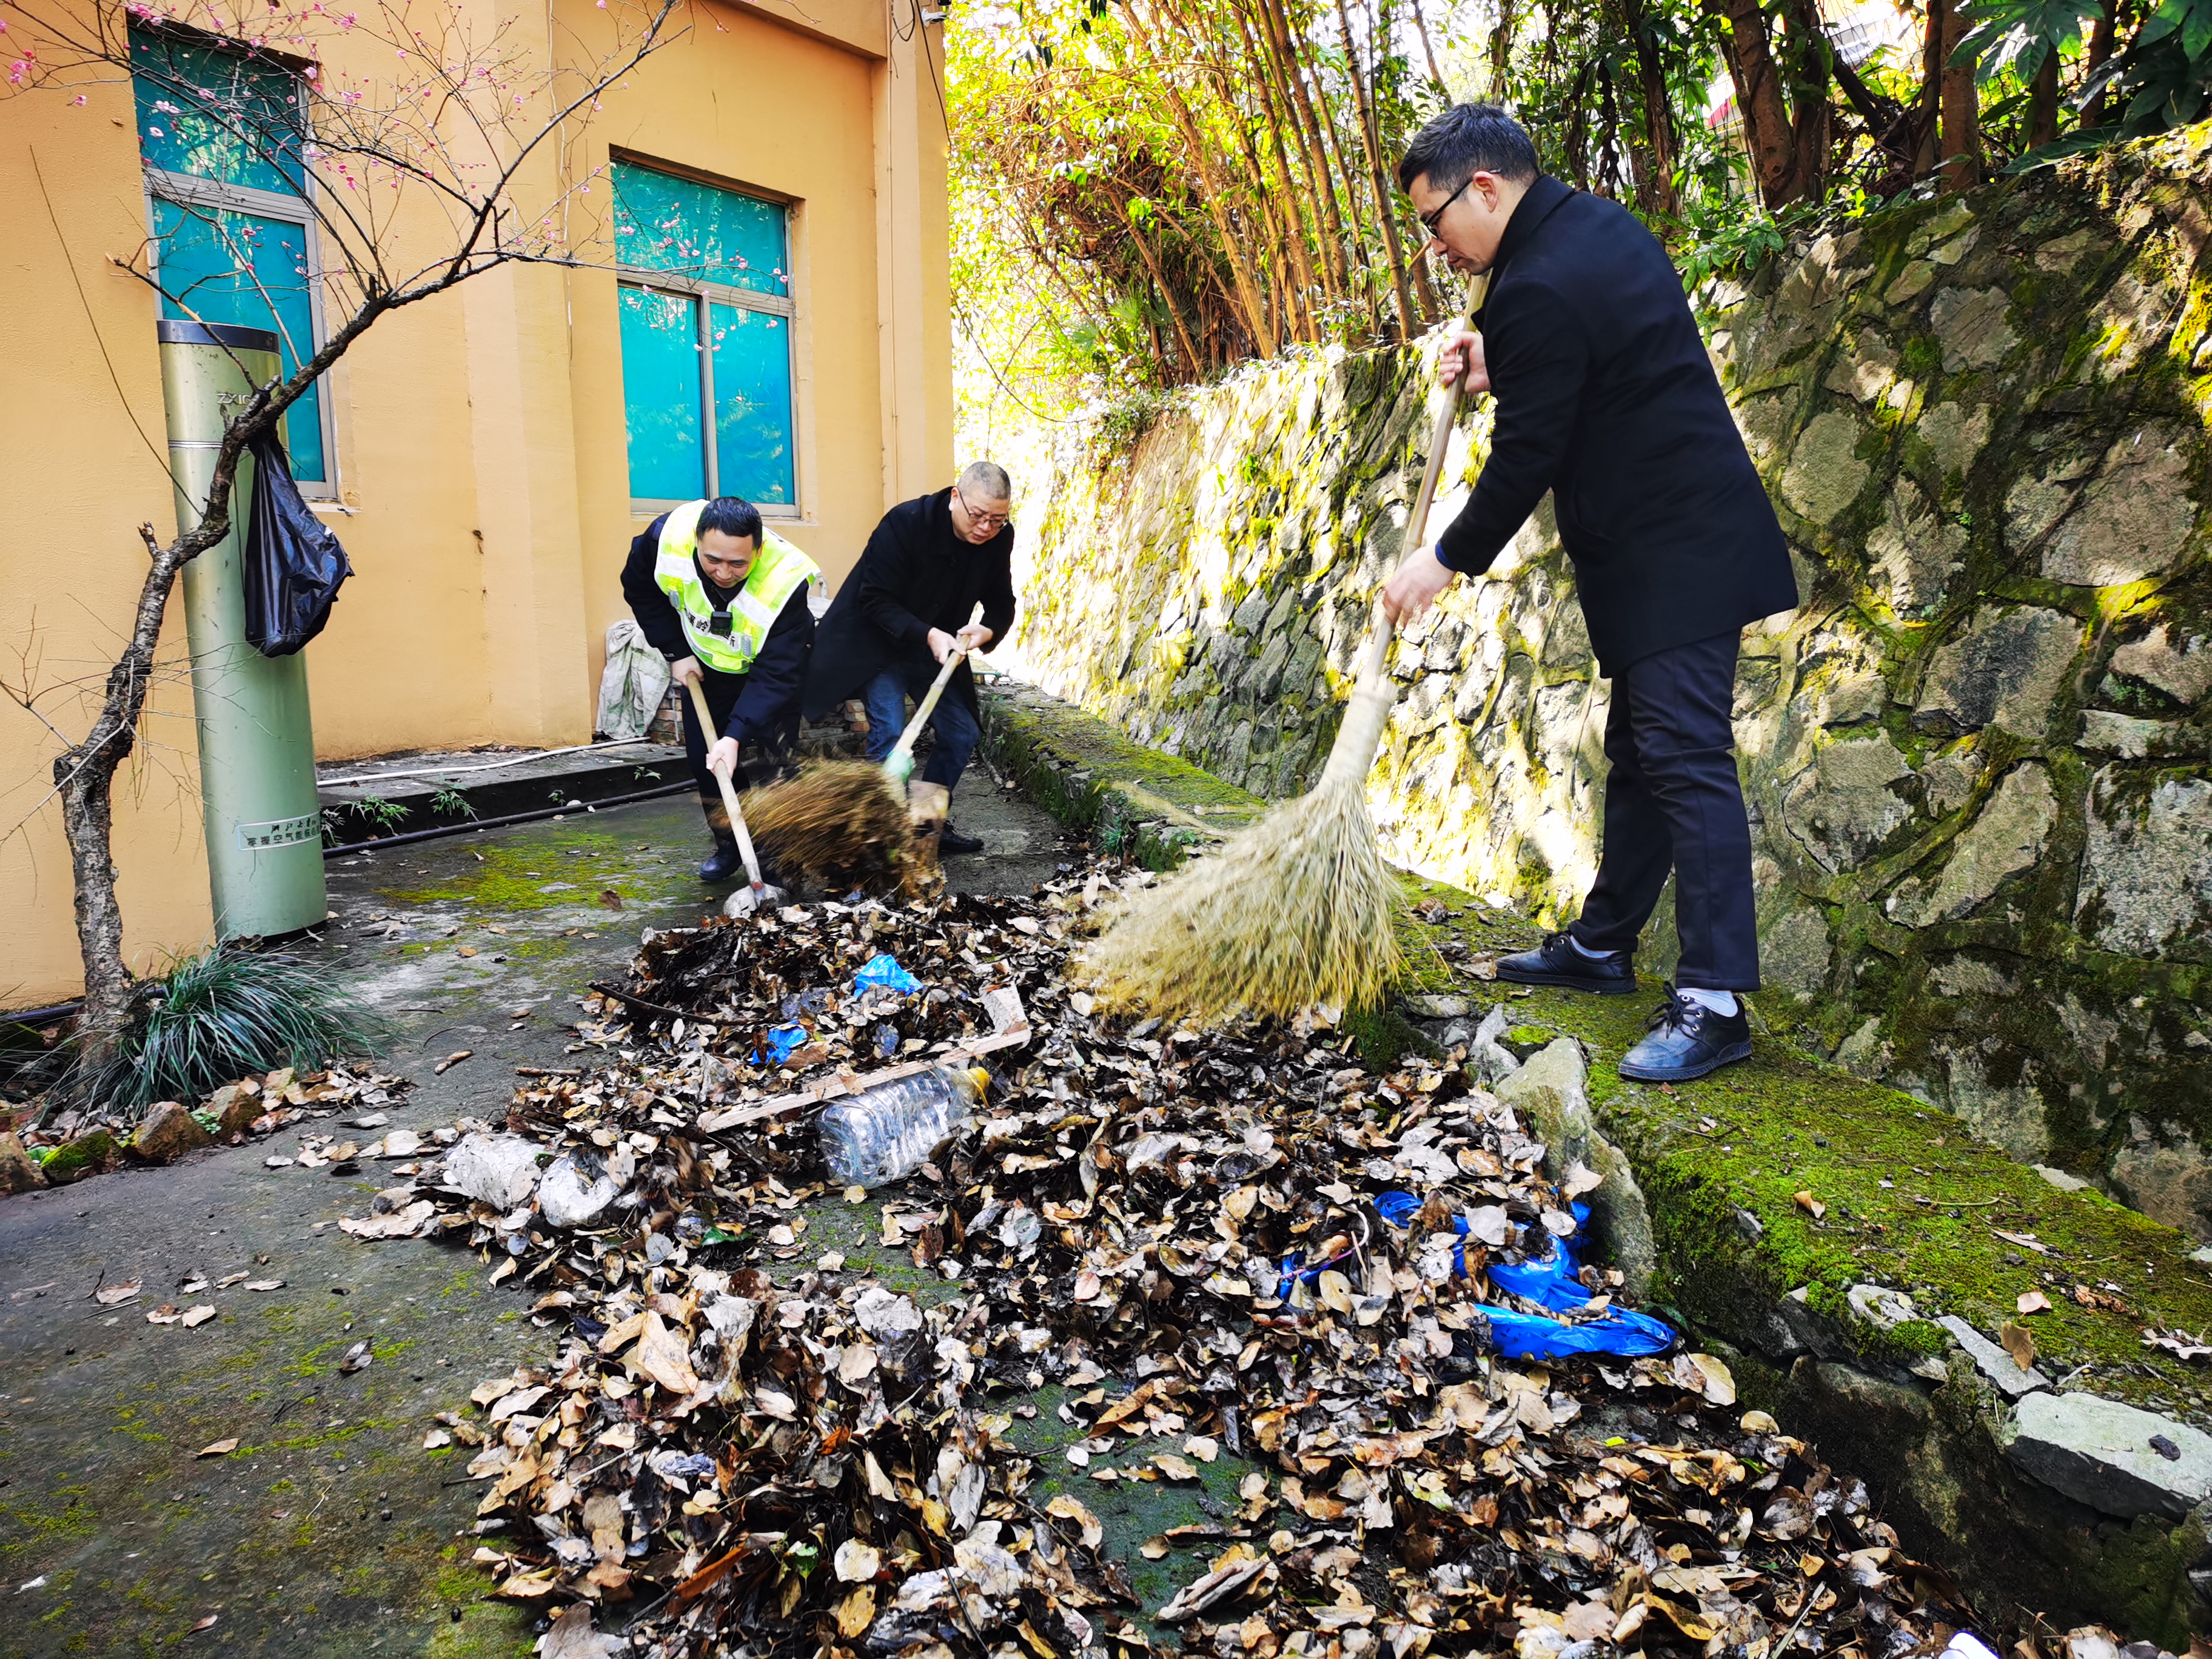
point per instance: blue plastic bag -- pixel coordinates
(886, 971)
(781, 1042)
(1551, 1282)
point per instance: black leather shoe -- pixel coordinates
(1556, 962)
(726, 863)
(950, 839)
(1686, 1040)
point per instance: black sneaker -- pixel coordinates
(1556, 962)
(726, 863)
(950, 839)
(1686, 1040)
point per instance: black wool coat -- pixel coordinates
(914, 574)
(1606, 398)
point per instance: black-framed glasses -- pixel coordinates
(983, 521)
(1429, 221)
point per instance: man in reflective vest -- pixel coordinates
(725, 599)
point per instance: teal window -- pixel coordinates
(706, 314)
(222, 135)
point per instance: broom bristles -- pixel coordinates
(1294, 911)
(834, 816)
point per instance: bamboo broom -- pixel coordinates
(1298, 908)
(757, 895)
(840, 815)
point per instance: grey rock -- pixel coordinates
(2006, 670)
(2007, 838)
(2104, 732)
(2147, 863)
(1956, 435)
(1971, 327)
(1493, 1062)
(2060, 1179)
(1794, 954)
(1552, 1091)
(2181, 669)
(1824, 477)
(1844, 806)
(2133, 520)
(500, 1170)
(1878, 1304)
(2098, 1452)
(1992, 1361)
(1440, 1007)
(1914, 552)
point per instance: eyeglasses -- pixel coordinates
(983, 521)
(1429, 220)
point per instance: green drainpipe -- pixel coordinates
(263, 824)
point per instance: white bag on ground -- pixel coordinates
(634, 681)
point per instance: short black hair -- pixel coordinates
(734, 515)
(1465, 140)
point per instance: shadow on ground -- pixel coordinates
(330, 1527)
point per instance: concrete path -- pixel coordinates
(329, 1528)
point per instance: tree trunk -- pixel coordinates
(84, 776)
(1767, 125)
(1960, 122)
(1655, 190)
(1428, 47)
(2100, 53)
(2043, 103)
(1810, 111)
(1371, 138)
(1501, 53)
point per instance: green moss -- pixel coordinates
(84, 1156)
(44, 1519)
(510, 877)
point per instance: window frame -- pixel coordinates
(704, 296)
(188, 189)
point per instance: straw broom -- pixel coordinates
(847, 815)
(1296, 909)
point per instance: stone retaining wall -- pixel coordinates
(1976, 756)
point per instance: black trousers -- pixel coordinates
(723, 691)
(1673, 802)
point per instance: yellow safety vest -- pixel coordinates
(777, 574)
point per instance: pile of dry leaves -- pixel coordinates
(737, 1451)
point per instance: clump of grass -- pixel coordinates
(226, 1013)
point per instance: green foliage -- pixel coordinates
(452, 803)
(225, 1013)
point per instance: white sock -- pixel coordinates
(1594, 955)
(1721, 1002)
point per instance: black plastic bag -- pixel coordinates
(293, 564)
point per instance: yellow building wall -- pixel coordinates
(82, 426)
(479, 436)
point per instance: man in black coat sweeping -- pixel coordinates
(1605, 397)
(904, 609)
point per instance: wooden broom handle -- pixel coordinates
(1375, 656)
(928, 704)
(729, 795)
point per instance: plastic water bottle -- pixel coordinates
(886, 1133)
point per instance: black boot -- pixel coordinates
(1556, 962)
(725, 864)
(950, 839)
(1686, 1040)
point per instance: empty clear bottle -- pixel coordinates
(886, 1133)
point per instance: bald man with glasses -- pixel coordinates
(904, 609)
